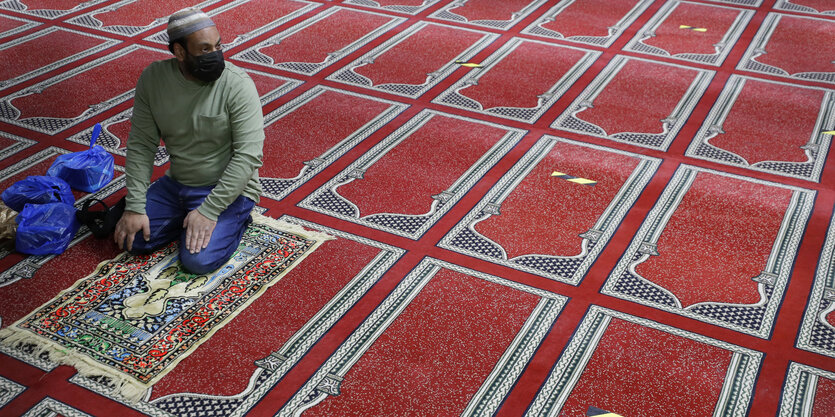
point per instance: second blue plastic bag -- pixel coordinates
(86, 170)
(44, 229)
(37, 189)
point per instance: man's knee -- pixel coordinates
(202, 262)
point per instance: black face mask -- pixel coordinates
(206, 67)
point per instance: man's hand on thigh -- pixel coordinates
(198, 231)
(131, 223)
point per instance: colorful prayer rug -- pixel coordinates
(135, 317)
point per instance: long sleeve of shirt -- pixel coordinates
(141, 149)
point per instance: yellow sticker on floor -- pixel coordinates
(469, 64)
(571, 178)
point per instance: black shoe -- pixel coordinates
(101, 223)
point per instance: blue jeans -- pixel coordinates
(168, 203)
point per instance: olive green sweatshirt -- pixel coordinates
(213, 132)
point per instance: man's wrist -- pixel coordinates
(205, 212)
(138, 208)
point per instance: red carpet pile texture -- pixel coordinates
(538, 206)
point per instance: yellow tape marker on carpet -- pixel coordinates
(570, 178)
(469, 64)
(596, 412)
(693, 28)
(828, 132)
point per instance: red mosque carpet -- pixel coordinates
(539, 206)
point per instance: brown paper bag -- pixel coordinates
(8, 225)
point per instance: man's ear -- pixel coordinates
(179, 51)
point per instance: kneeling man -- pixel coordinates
(208, 114)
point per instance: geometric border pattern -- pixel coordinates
(517, 16)
(754, 319)
(723, 47)
(87, 20)
(733, 400)
(50, 407)
(453, 98)
(290, 84)
(254, 55)
(26, 26)
(489, 397)
(347, 75)
(20, 7)
(327, 200)
(799, 390)
(816, 334)
(275, 366)
(536, 29)
(413, 10)
(752, 3)
(53, 65)
(162, 37)
(278, 188)
(757, 48)
(52, 125)
(570, 269)
(22, 143)
(816, 149)
(671, 124)
(787, 5)
(9, 390)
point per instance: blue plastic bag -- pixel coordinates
(44, 229)
(37, 190)
(86, 170)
